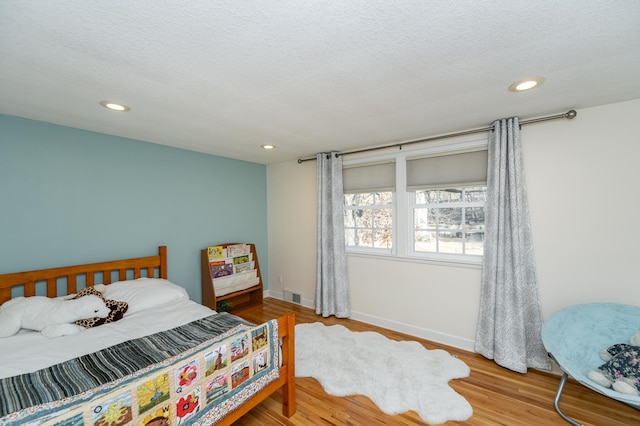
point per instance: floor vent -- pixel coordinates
(290, 296)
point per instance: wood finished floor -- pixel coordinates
(498, 396)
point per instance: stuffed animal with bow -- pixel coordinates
(621, 371)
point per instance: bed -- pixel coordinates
(574, 337)
(194, 366)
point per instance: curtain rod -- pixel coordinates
(569, 115)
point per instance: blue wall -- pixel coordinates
(70, 196)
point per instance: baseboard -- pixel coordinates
(423, 333)
(277, 294)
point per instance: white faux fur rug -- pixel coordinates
(397, 376)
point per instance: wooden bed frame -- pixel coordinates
(153, 266)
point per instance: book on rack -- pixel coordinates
(241, 259)
(216, 262)
(216, 252)
(220, 269)
(242, 267)
(234, 250)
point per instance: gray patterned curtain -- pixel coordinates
(510, 319)
(332, 287)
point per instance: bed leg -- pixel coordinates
(556, 402)
(289, 398)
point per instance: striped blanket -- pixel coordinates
(192, 374)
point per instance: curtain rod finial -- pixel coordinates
(571, 114)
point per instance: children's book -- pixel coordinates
(234, 250)
(242, 267)
(215, 252)
(213, 263)
(241, 259)
(222, 270)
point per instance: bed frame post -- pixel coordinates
(162, 252)
(289, 388)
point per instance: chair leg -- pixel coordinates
(556, 402)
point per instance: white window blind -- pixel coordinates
(369, 178)
(447, 171)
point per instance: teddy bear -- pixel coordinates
(53, 317)
(117, 309)
(622, 367)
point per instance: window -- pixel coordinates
(419, 203)
(368, 220)
(449, 220)
(368, 206)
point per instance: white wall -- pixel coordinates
(291, 212)
(582, 177)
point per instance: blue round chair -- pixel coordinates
(574, 337)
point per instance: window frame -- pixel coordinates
(402, 209)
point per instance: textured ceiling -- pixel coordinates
(225, 76)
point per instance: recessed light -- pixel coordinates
(268, 146)
(524, 85)
(114, 106)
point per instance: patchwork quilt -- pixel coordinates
(193, 374)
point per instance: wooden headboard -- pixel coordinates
(28, 280)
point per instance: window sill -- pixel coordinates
(471, 263)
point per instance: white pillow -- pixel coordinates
(144, 293)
